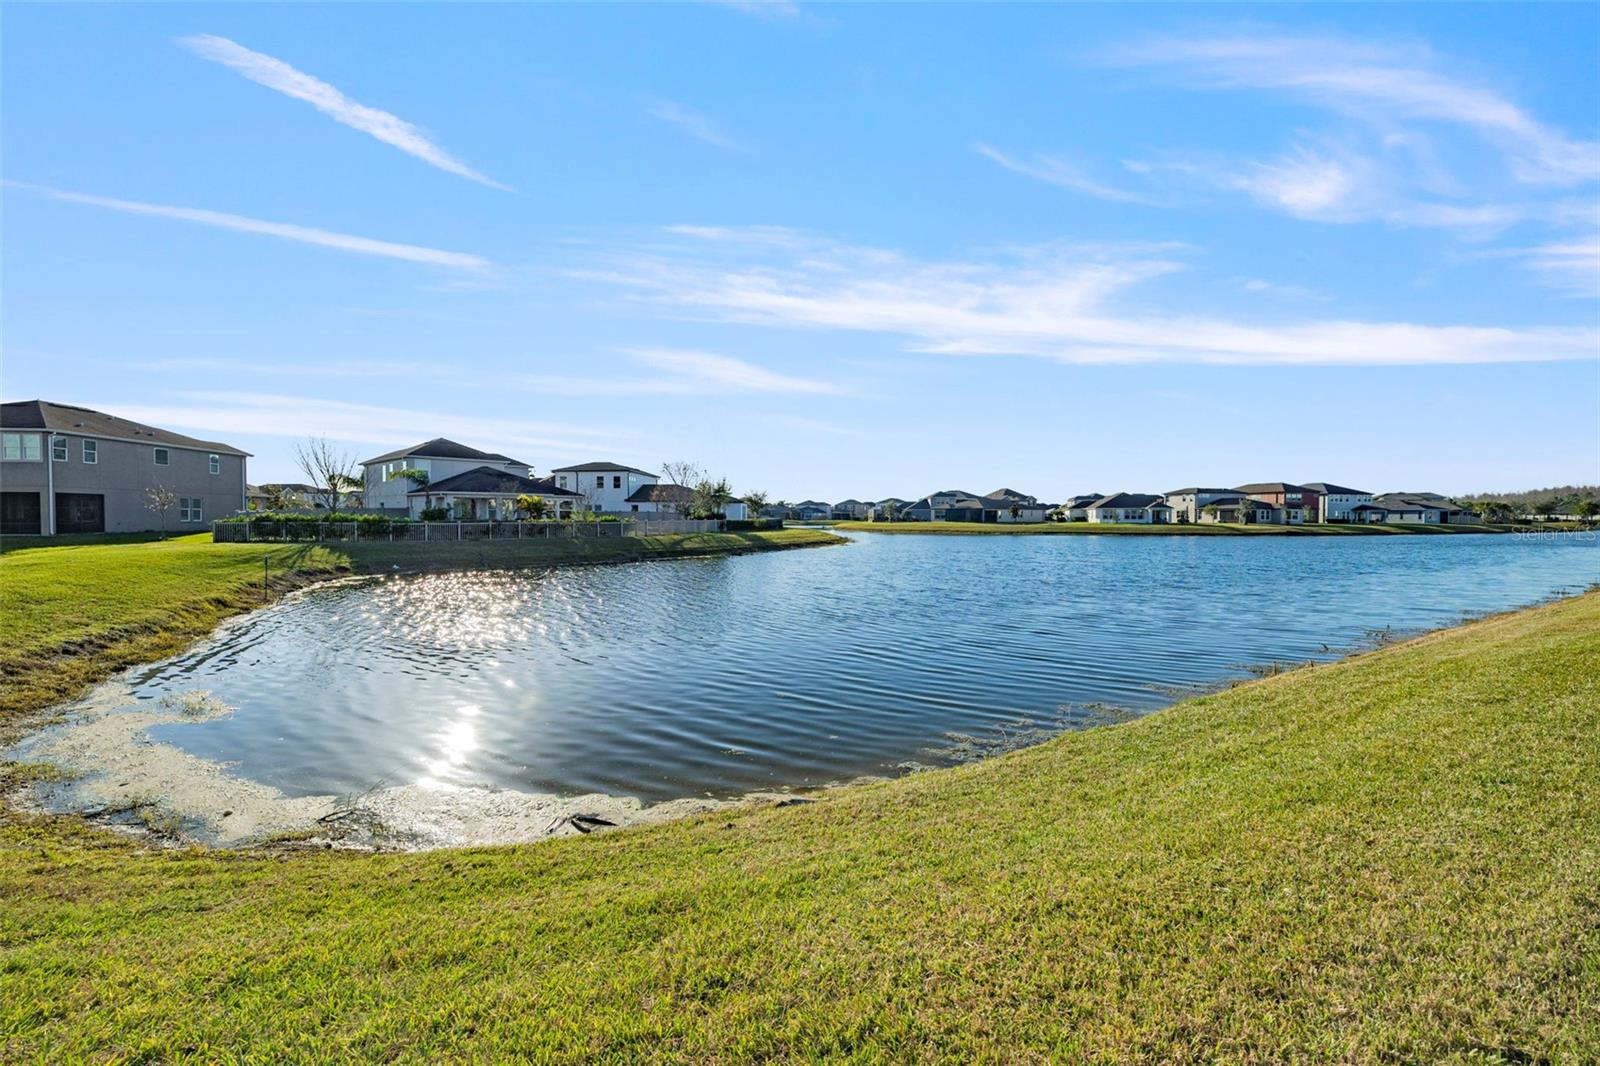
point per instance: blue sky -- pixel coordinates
(824, 250)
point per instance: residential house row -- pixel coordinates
(69, 469)
(463, 482)
(1266, 503)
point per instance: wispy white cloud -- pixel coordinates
(344, 242)
(682, 372)
(1311, 184)
(1282, 290)
(1062, 304)
(767, 9)
(1381, 83)
(725, 371)
(1057, 171)
(282, 415)
(389, 369)
(279, 76)
(694, 123)
(1573, 267)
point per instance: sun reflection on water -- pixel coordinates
(453, 745)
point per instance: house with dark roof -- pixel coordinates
(1414, 507)
(486, 492)
(656, 498)
(1187, 503)
(606, 486)
(935, 507)
(851, 510)
(297, 496)
(885, 510)
(67, 469)
(812, 510)
(1009, 505)
(1238, 509)
(1076, 508)
(1296, 504)
(386, 489)
(1338, 502)
(1135, 508)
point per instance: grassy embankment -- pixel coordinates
(72, 614)
(1390, 858)
(1168, 530)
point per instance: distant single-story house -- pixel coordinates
(812, 510)
(298, 495)
(999, 505)
(1427, 508)
(656, 498)
(882, 509)
(486, 493)
(1136, 508)
(1076, 508)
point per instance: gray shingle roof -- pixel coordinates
(65, 418)
(441, 448)
(1129, 499)
(1335, 490)
(1269, 486)
(661, 494)
(488, 480)
(592, 468)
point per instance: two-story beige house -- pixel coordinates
(66, 469)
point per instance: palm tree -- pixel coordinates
(419, 483)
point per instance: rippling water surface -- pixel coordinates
(797, 668)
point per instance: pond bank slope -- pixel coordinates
(73, 614)
(1389, 858)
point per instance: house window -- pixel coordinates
(216, 463)
(58, 449)
(616, 481)
(599, 481)
(163, 457)
(561, 482)
(190, 509)
(91, 452)
(20, 447)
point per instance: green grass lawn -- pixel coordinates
(73, 613)
(1163, 530)
(1393, 858)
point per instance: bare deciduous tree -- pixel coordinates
(160, 499)
(331, 470)
(683, 473)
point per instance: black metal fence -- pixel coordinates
(369, 528)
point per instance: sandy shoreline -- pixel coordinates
(124, 779)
